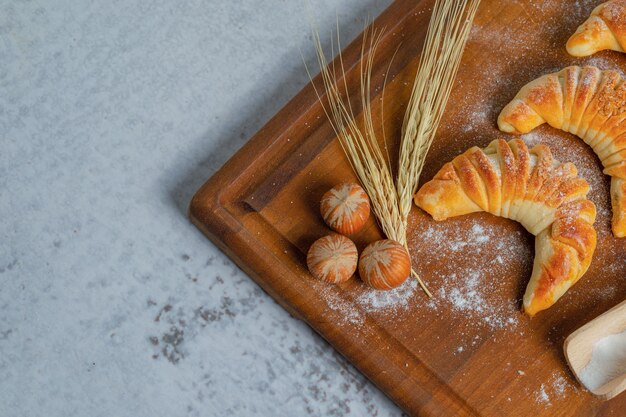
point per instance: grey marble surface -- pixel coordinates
(112, 113)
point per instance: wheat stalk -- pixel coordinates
(391, 203)
(449, 28)
(361, 144)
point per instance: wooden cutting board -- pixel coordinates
(468, 351)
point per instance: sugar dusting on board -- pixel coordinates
(396, 299)
(366, 300)
(555, 388)
(608, 361)
(346, 310)
(542, 396)
(604, 64)
(472, 292)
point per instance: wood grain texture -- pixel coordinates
(261, 208)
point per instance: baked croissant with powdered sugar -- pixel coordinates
(591, 104)
(604, 29)
(531, 187)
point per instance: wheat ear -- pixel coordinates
(449, 28)
(360, 144)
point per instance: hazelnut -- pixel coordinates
(384, 264)
(332, 258)
(345, 208)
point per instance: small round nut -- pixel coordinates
(345, 208)
(332, 258)
(384, 264)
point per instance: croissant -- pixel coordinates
(532, 188)
(589, 103)
(605, 29)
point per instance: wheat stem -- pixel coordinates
(447, 34)
(361, 144)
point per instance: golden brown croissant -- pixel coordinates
(605, 29)
(589, 103)
(531, 187)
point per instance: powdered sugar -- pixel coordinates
(479, 233)
(353, 307)
(468, 290)
(603, 63)
(396, 299)
(542, 396)
(554, 389)
(466, 295)
(559, 384)
(533, 138)
(608, 361)
(347, 310)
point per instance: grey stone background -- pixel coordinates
(112, 113)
